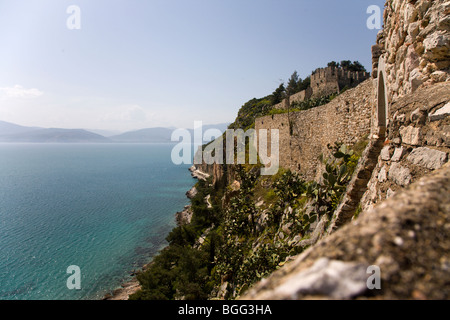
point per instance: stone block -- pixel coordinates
(440, 113)
(386, 153)
(336, 279)
(410, 135)
(382, 175)
(416, 79)
(399, 174)
(428, 158)
(398, 154)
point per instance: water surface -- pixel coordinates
(106, 208)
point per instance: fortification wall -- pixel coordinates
(346, 119)
(326, 81)
(297, 97)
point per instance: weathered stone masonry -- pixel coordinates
(415, 45)
(304, 135)
(325, 81)
(411, 61)
(418, 142)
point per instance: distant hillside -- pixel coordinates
(7, 128)
(105, 133)
(144, 135)
(158, 135)
(10, 132)
(54, 135)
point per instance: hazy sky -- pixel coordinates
(147, 63)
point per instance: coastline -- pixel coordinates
(181, 218)
(126, 289)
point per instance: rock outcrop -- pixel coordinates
(184, 217)
(192, 192)
(198, 174)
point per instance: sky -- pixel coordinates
(125, 65)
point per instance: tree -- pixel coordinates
(357, 66)
(278, 95)
(304, 84)
(346, 64)
(354, 66)
(333, 64)
(292, 84)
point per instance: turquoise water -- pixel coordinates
(106, 208)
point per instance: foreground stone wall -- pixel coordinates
(304, 135)
(418, 142)
(415, 44)
(411, 61)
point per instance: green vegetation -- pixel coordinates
(296, 84)
(312, 103)
(256, 108)
(251, 110)
(243, 242)
(339, 169)
(181, 270)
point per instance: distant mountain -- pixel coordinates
(158, 135)
(7, 128)
(221, 126)
(144, 135)
(54, 135)
(105, 133)
(10, 132)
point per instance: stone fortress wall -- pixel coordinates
(415, 45)
(326, 81)
(330, 80)
(304, 135)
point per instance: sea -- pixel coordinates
(76, 220)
